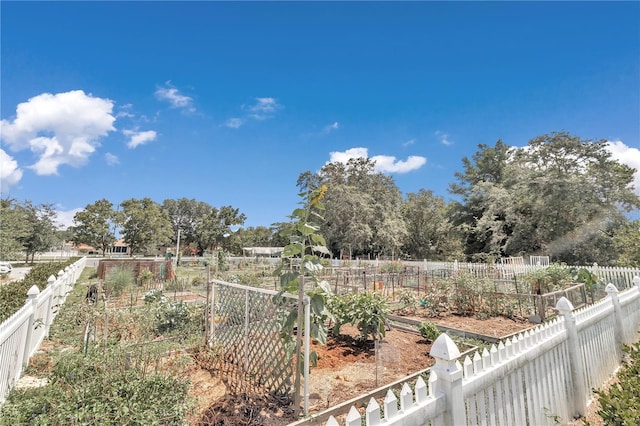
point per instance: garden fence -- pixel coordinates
(247, 329)
(23, 332)
(541, 377)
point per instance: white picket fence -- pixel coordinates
(541, 377)
(23, 332)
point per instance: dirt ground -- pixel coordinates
(347, 367)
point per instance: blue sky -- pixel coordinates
(228, 103)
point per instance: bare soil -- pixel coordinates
(347, 367)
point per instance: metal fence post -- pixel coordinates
(579, 406)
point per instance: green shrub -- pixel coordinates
(367, 311)
(99, 389)
(620, 405)
(117, 279)
(409, 300)
(429, 331)
(14, 294)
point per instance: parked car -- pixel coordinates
(5, 268)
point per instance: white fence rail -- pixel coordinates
(535, 378)
(23, 332)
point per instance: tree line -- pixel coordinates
(560, 196)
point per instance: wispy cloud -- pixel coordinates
(234, 123)
(444, 138)
(331, 127)
(64, 128)
(409, 142)
(10, 173)
(629, 156)
(139, 138)
(263, 108)
(111, 159)
(174, 97)
(383, 163)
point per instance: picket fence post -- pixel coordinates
(612, 292)
(47, 323)
(449, 379)
(579, 406)
(32, 300)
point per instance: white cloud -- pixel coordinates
(174, 97)
(444, 138)
(384, 163)
(10, 173)
(64, 218)
(263, 108)
(409, 142)
(234, 122)
(64, 128)
(111, 159)
(629, 156)
(139, 138)
(331, 127)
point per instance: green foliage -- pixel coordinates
(145, 277)
(429, 330)
(409, 300)
(14, 294)
(99, 389)
(620, 405)
(469, 291)
(367, 311)
(153, 296)
(95, 225)
(117, 279)
(549, 279)
(170, 315)
(305, 245)
(392, 268)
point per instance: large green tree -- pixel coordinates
(41, 229)
(13, 228)
(560, 195)
(362, 208)
(431, 235)
(96, 225)
(214, 229)
(146, 227)
(185, 214)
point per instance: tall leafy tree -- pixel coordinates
(627, 243)
(96, 225)
(13, 228)
(431, 235)
(214, 229)
(146, 227)
(41, 229)
(185, 214)
(560, 195)
(363, 207)
(477, 211)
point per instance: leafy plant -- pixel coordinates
(99, 389)
(549, 279)
(409, 300)
(145, 277)
(367, 311)
(306, 245)
(429, 330)
(620, 405)
(117, 279)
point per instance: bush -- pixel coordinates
(99, 389)
(620, 405)
(117, 280)
(367, 311)
(429, 331)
